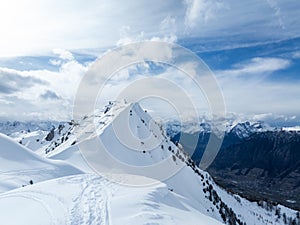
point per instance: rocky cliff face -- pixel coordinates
(255, 162)
(267, 163)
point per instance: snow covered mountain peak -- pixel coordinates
(245, 129)
(128, 141)
(123, 141)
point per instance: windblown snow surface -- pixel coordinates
(66, 190)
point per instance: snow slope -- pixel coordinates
(32, 140)
(196, 187)
(19, 165)
(41, 141)
(186, 196)
(90, 199)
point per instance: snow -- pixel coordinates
(66, 190)
(156, 205)
(19, 165)
(32, 140)
(295, 128)
(91, 199)
(73, 156)
(9, 128)
(242, 129)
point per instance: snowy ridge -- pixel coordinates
(245, 129)
(190, 196)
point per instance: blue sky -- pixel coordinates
(252, 47)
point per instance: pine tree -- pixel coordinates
(284, 218)
(277, 212)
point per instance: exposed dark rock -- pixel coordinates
(50, 135)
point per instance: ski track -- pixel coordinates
(91, 204)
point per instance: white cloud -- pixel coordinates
(274, 5)
(296, 55)
(42, 93)
(128, 36)
(263, 116)
(169, 88)
(260, 96)
(259, 20)
(55, 62)
(247, 90)
(6, 102)
(251, 97)
(254, 99)
(28, 27)
(168, 24)
(63, 54)
(31, 27)
(256, 66)
(49, 95)
(202, 11)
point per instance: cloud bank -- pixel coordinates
(29, 27)
(46, 91)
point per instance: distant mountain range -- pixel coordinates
(255, 160)
(10, 127)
